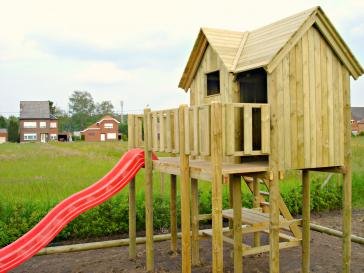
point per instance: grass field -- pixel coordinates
(35, 177)
(48, 173)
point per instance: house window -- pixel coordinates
(42, 124)
(30, 124)
(108, 126)
(30, 136)
(111, 136)
(213, 83)
(53, 125)
(53, 136)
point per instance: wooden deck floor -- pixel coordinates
(201, 169)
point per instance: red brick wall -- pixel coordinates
(37, 130)
(4, 135)
(93, 135)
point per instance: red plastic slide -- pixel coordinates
(37, 238)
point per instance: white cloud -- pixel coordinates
(102, 73)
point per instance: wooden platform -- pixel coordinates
(201, 169)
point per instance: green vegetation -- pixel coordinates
(35, 177)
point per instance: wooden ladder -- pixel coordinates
(265, 204)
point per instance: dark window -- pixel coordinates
(213, 83)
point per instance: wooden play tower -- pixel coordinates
(261, 103)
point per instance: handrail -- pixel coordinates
(237, 119)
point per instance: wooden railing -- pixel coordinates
(239, 131)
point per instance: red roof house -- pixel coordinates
(106, 129)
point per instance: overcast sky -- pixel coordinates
(133, 51)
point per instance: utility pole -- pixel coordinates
(122, 112)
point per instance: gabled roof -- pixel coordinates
(108, 118)
(357, 113)
(266, 46)
(35, 110)
(96, 125)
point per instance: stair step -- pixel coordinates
(264, 193)
(264, 203)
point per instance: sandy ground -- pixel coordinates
(325, 255)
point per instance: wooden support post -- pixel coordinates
(148, 183)
(274, 223)
(347, 183)
(231, 203)
(305, 221)
(256, 204)
(132, 203)
(238, 235)
(216, 160)
(173, 214)
(185, 194)
(195, 223)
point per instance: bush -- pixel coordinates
(111, 217)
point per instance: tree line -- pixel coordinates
(82, 112)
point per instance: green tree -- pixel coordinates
(104, 108)
(3, 122)
(52, 108)
(13, 129)
(81, 107)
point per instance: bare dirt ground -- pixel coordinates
(325, 255)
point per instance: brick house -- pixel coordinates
(36, 123)
(106, 129)
(357, 120)
(3, 135)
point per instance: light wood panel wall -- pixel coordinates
(308, 105)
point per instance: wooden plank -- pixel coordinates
(265, 120)
(286, 117)
(162, 134)
(168, 132)
(148, 184)
(324, 101)
(195, 129)
(336, 120)
(341, 116)
(347, 184)
(185, 192)
(173, 213)
(204, 133)
(306, 102)
(230, 128)
(300, 112)
(186, 128)
(305, 222)
(266, 248)
(155, 132)
(176, 131)
(131, 131)
(132, 220)
(216, 161)
(312, 95)
(293, 107)
(318, 91)
(248, 130)
(330, 105)
(195, 244)
(237, 222)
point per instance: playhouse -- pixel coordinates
(261, 102)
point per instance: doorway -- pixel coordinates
(43, 138)
(253, 89)
(102, 137)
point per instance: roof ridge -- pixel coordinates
(244, 38)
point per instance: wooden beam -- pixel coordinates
(216, 160)
(347, 183)
(132, 203)
(148, 184)
(238, 238)
(185, 193)
(305, 222)
(195, 223)
(173, 213)
(274, 223)
(256, 204)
